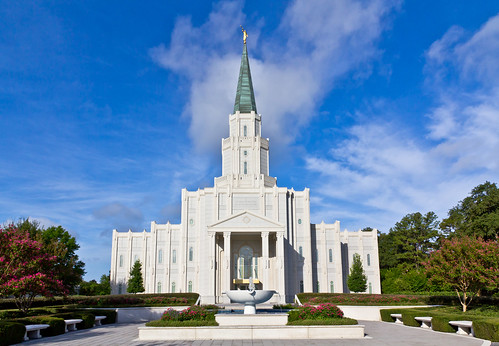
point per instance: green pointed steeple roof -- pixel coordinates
(245, 97)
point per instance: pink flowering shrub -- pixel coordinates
(195, 312)
(25, 269)
(321, 312)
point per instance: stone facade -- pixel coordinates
(244, 226)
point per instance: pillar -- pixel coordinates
(226, 267)
(265, 259)
(280, 267)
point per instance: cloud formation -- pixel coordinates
(292, 70)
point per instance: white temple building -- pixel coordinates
(244, 226)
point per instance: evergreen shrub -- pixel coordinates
(11, 333)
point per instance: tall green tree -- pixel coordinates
(59, 243)
(136, 283)
(477, 215)
(414, 237)
(357, 280)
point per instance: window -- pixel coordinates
(368, 259)
(245, 167)
(135, 258)
(317, 286)
(120, 288)
(245, 130)
(159, 287)
(189, 287)
(121, 260)
(174, 256)
(370, 288)
(160, 256)
(191, 254)
(245, 153)
(331, 287)
(299, 221)
(247, 263)
(173, 287)
(301, 286)
(300, 250)
(330, 255)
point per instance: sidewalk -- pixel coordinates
(377, 334)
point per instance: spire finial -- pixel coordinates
(245, 34)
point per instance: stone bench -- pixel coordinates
(398, 318)
(463, 327)
(425, 321)
(71, 324)
(98, 320)
(33, 331)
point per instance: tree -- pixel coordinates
(467, 265)
(104, 285)
(94, 288)
(357, 280)
(58, 242)
(25, 268)
(477, 215)
(136, 284)
(414, 237)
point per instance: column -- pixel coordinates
(280, 267)
(265, 259)
(226, 268)
(212, 278)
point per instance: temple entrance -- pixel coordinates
(245, 266)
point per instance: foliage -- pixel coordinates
(357, 280)
(136, 283)
(11, 333)
(326, 322)
(467, 265)
(176, 323)
(477, 215)
(283, 306)
(195, 312)
(25, 268)
(398, 280)
(94, 288)
(57, 325)
(323, 311)
(487, 329)
(387, 251)
(58, 242)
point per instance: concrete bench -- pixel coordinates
(98, 320)
(463, 327)
(71, 324)
(425, 321)
(397, 317)
(33, 331)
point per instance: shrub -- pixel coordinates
(87, 317)
(283, 306)
(441, 323)
(110, 315)
(191, 323)
(385, 314)
(198, 313)
(11, 333)
(408, 317)
(487, 329)
(57, 325)
(328, 321)
(323, 311)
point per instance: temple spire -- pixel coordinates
(245, 97)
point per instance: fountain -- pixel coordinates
(250, 297)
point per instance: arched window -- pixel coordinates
(174, 256)
(368, 259)
(301, 286)
(159, 287)
(189, 287)
(330, 255)
(160, 256)
(121, 260)
(245, 130)
(370, 288)
(245, 167)
(331, 287)
(191, 254)
(300, 251)
(173, 287)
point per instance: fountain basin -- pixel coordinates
(249, 298)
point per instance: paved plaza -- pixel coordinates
(377, 334)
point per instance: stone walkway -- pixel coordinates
(377, 334)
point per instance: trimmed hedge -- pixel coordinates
(87, 317)
(110, 315)
(385, 314)
(441, 323)
(189, 323)
(326, 322)
(57, 325)
(11, 333)
(487, 329)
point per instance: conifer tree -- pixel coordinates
(357, 280)
(136, 283)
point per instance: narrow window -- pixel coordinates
(301, 286)
(318, 287)
(121, 260)
(300, 250)
(191, 254)
(135, 258)
(159, 286)
(245, 153)
(245, 130)
(174, 256)
(160, 256)
(368, 259)
(189, 287)
(330, 255)
(173, 287)
(370, 288)
(245, 167)
(331, 287)
(120, 288)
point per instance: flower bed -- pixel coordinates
(192, 316)
(324, 314)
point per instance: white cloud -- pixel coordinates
(314, 45)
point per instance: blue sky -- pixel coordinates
(108, 109)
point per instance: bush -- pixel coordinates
(441, 323)
(57, 325)
(191, 323)
(408, 317)
(198, 313)
(110, 315)
(11, 333)
(293, 315)
(283, 306)
(385, 314)
(323, 311)
(327, 321)
(487, 329)
(87, 317)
